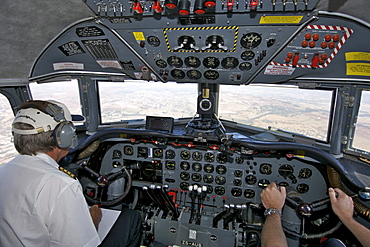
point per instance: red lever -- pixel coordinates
(253, 4)
(295, 59)
(315, 60)
(230, 4)
(137, 7)
(157, 6)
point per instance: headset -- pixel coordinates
(64, 134)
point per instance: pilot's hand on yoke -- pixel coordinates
(272, 197)
(341, 204)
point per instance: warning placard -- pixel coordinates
(279, 70)
(359, 56)
(280, 19)
(358, 69)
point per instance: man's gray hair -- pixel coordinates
(33, 144)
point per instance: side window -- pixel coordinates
(7, 150)
(65, 91)
(362, 131)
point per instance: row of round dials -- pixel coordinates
(208, 62)
(285, 170)
(248, 41)
(238, 192)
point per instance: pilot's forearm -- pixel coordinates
(272, 232)
(360, 231)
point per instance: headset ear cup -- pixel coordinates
(63, 135)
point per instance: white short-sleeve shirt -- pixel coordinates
(42, 206)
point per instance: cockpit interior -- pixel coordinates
(192, 107)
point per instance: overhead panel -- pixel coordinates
(230, 42)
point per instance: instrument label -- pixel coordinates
(279, 70)
(280, 19)
(66, 65)
(362, 69)
(359, 56)
(139, 35)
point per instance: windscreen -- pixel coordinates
(290, 109)
(121, 101)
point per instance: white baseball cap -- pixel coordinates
(43, 116)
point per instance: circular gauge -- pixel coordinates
(128, 150)
(221, 158)
(196, 177)
(142, 152)
(209, 189)
(247, 55)
(117, 154)
(250, 179)
(238, 173)
(208, 178)
(185, 176)
(239, 160)
(248, 193)
(220, 180)
(237, 192)
(197, 156)
(170, 165)
(153, 41)
(116, 164)
(192, 61)
(211, 74)
(209, 168)
(197, 167)
(245, 66)
(205, 104)
(229, 63)
(178, 74)
(174, 61)
(219, 190)
(184, 186)
(148, 169)
(220, 169)
(283, 184)
(305, 173)
(170, 154)
(237, 182)
(209, 157)
(185, 165)
(194, 74)
(263, 183)
(303, 188)
(158, 152)
(286, 170)
(185, 155)
(161, 63)
(251, 40)
(266, 168)
(211, 62)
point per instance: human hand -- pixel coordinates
(342, 204)
(96, 215)
(272, 197)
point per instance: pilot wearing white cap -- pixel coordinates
(40, 205)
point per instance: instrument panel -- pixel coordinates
(226, 179)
